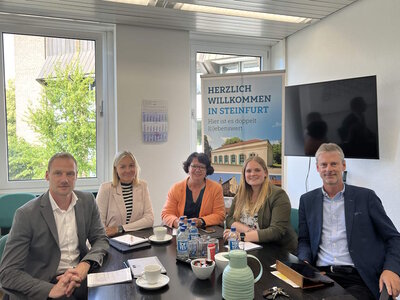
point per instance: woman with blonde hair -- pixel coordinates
(124, 203)
(260, 210)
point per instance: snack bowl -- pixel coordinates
(221, 261)
(202, 267)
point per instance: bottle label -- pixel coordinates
(183, 247)
(233, 244)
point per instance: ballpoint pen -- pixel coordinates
(126, 266)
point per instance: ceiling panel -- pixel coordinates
(200, 23)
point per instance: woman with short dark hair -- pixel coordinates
(196, 197)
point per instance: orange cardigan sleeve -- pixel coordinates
(175, 204)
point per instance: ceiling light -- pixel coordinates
(136, 2)
(240, 13)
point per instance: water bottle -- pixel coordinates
(193, 231)
(193, 241)
(233, 239)
(183, 219)
(182, 249)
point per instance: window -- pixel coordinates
(212, 63)
(242, 158)
(220, 159)
(233, 159)
(215, 159)
(53, 87)
(226, 159)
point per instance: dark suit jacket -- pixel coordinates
(373, 241)
(32, 253)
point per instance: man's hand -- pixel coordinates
(392, 282)
(65, 285)
(111, 231)
(82, 269)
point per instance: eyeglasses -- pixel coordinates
(196, 167)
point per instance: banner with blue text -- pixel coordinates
(242, 117)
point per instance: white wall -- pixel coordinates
(360, 40)
(154, 64)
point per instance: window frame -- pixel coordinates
(248, 46)
(103, 35)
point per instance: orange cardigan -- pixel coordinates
(212, 208)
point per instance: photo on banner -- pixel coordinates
(242, 117)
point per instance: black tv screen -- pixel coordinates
(340, 111)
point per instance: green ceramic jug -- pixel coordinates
(238, 279)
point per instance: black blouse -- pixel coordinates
(192, 209)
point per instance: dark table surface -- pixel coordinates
(184, 285)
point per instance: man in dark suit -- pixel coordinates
(46, 255)
(344, 231)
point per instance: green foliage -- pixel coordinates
(64, 120)
(207, 147)
(232, 140)
(277, 153)
(24, 160)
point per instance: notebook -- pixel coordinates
(125, 248)
(137, 265)
(129, 239)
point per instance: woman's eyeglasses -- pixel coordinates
(196, 167)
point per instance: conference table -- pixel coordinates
(184, 285)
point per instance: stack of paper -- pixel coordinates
(130, 240)
(104, 278)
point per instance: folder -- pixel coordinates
(303, 274)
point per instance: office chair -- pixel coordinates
(294, 219)
(9, 203)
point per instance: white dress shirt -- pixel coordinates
(333, 248)
(67, 234)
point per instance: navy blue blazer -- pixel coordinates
(373, 241)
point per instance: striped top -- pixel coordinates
(128, 199)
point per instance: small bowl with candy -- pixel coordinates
(202, 267)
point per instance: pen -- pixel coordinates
(126, 266)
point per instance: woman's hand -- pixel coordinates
(226, 234)
(111, 231)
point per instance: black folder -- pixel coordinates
(125, 248)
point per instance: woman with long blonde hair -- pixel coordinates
(124, 203)
(260, 210)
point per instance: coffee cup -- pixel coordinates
(151, 273)
(160, 232)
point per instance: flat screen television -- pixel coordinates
(340, 111)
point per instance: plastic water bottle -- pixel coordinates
(193, 231)
(182, 245)
(193, 241)
(233, 239)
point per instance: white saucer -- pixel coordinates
(162, 281)
(167, 238)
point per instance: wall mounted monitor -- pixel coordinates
(341, 111)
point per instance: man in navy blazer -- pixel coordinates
(344, 231)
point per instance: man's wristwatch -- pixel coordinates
(91, 263)
(121, 229)
(242, 236)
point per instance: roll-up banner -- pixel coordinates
(242, 117)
